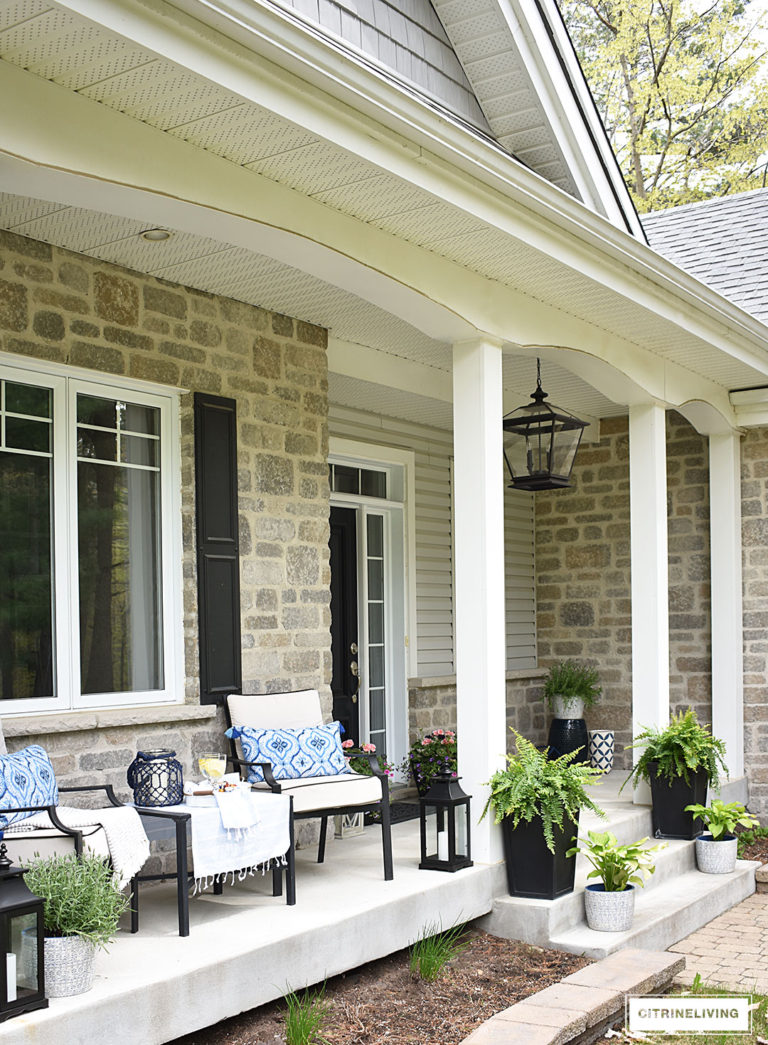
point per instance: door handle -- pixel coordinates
(354, 667)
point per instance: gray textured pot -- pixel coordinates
(68, 965)
(609, 912)
(567, 707)
(716, 857)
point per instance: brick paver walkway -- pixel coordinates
(731, 950)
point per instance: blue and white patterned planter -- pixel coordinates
(716, 857)
(601, 747)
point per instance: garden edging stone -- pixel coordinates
(581, 1007)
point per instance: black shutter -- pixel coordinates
(218, 552)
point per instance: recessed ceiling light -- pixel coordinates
(156, 235)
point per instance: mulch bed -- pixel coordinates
(383, 1004)
(757, 850)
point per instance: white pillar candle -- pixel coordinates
(10, 974)
(442, 845)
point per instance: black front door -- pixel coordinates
(344, 644)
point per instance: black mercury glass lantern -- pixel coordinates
(444, 814)
(540, 443)
(156, 778)
(22, 973)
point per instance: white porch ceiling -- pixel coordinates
(90, 60)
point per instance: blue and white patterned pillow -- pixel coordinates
(309, 752)
(26, 779)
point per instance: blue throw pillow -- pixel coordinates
(26, 779)
(309, 752)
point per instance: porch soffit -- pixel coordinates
(85, 58)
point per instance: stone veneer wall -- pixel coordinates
(754, 505)
(67, 308)
(583, 573)
(432, 705)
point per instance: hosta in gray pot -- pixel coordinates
(609, 912)
(716, 856)
(716, 852)
(610, 905)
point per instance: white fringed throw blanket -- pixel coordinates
(126, 838)
(258, 833)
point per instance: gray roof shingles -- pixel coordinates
(722, 242)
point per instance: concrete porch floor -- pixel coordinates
(246, 947)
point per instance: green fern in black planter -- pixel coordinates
(679, 762)
(537, 802)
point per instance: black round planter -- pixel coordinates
(670, 799)
(532, 870)
(566, 735)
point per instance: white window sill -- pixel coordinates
(82, 721)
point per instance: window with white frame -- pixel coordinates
(88, 543)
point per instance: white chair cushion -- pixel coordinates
(23, 846)
(276, 710)
(320, 793)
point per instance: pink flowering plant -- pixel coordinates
(432, 754)
(356, 757)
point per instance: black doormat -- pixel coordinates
(399, 812)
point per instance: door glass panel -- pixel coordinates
(27, 399)
(23, 434)
(373, 484)
(119, 556)
(375, 659)
(346, 479)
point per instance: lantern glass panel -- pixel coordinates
(436, 833)
(460, 814)
(21, 959)
(566, 444)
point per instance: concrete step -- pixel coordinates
(665, 915)
(681, 900)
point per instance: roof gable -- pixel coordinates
(508, 69)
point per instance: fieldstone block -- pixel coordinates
(274, 475)
(168, 303)
(97, 357)
(311, 334)
(74, 276)
(302, 565)
(151, 369)
(33, 273)
(29, 248)
(84, 329)
(577, 614)
(117, 299)
(110, 759)
(207, 334)
(13, 305)
(282, 325)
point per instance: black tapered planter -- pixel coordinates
(532, 870)
(670, 799)
(566, 735)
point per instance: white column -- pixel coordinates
(479, 578)
(727, 639)
(650, 574)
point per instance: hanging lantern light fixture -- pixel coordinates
(540, 443)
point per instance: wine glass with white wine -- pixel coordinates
(213, 766)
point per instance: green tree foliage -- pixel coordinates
(681, 86)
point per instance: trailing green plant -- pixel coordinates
(430, 954)
(80, 897)
(722, 819)
(681, 748)
(533, 785)
(617, 866)
(305, 1017)
(572, 681)
(747, 838)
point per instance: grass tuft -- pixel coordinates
(305, 1017)
(432, 952)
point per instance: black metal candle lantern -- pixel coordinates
(156, 778)
(444, 814)
(540, 443)
(22, 972)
